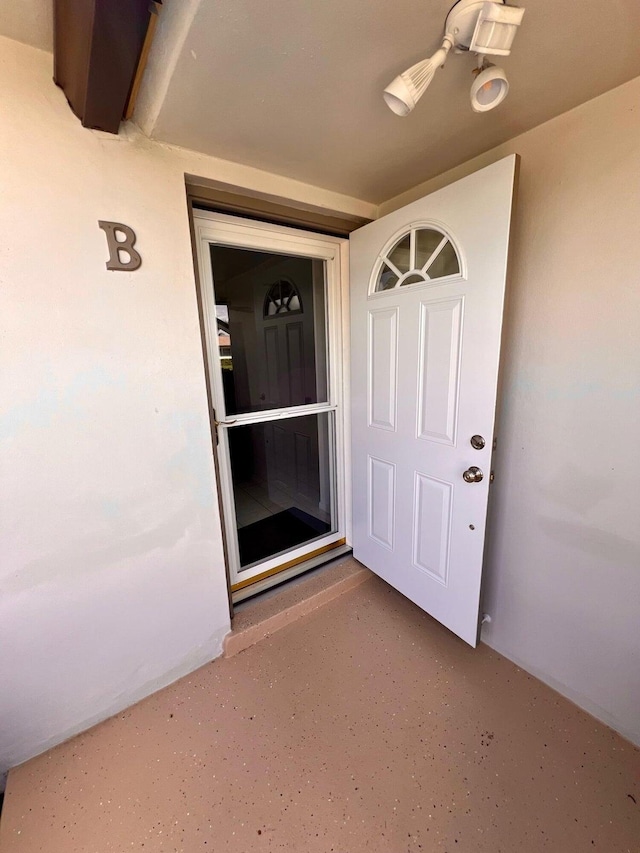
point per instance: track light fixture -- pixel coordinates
(476, 26)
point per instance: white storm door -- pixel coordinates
(427, 293)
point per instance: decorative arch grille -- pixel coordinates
(283, 298)
(421, 255)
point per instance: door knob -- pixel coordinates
(472, 475)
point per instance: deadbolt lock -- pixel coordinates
(477, 442)
(473, 475)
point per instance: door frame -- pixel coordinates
(233, 231)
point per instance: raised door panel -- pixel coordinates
(381, 491)
(433, 500)
(295, 363)
(383, 368)
(272, 366)
(439, 369)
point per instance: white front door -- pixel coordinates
(427, 293)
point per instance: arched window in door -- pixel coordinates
(421, 255)
(283, 298)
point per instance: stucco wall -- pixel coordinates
(563, 559)
(112, 575)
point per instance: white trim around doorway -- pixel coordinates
(226, 230)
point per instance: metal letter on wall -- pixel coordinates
(117, 246)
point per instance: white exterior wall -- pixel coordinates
(112, 573)
(563, 562)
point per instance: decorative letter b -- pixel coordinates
(116, 246)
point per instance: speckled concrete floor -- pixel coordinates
(364, 726)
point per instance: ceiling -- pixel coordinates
(296, 88)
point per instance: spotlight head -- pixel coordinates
(489, 89)
(403, 93)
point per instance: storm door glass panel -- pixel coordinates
(283, 484)
(271, 312)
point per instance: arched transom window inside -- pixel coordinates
(282, 298)
(421, 255)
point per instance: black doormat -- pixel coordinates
(277, 533)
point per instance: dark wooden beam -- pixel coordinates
(97, 51)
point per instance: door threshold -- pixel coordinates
(280, 575)
(262, 616)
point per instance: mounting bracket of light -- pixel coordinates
(484, 27)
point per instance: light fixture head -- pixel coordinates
(403, 93)
(489, 89)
